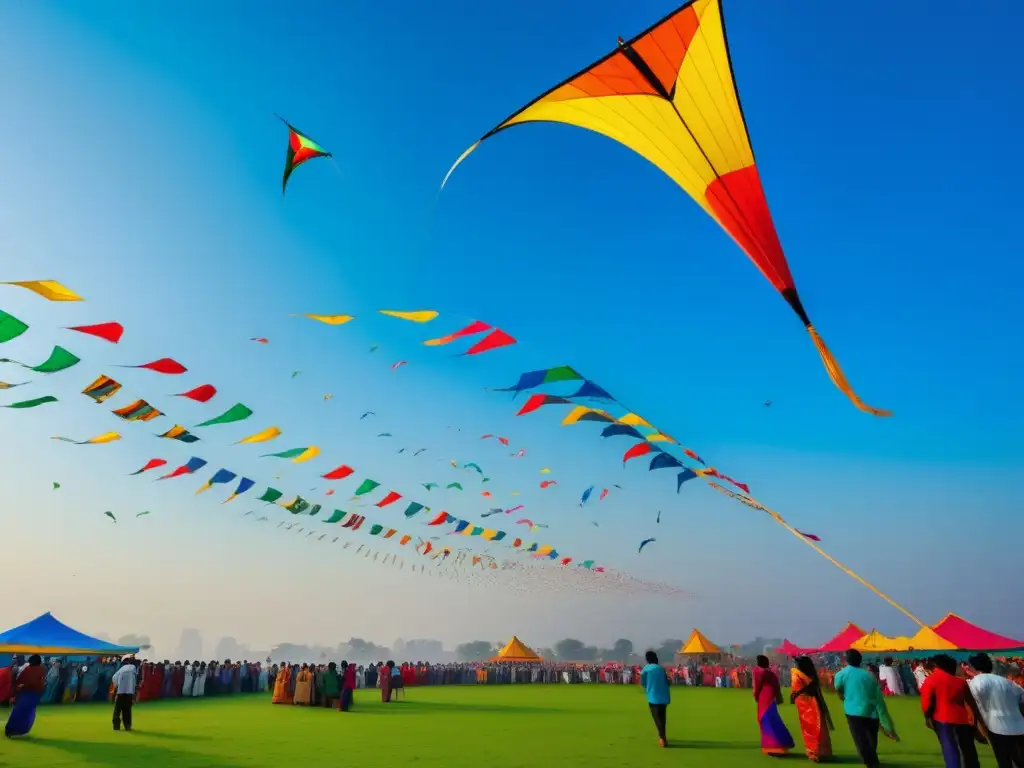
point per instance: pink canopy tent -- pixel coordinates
(970, 637)
(841, 642)
(788, 649)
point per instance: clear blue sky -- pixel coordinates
(142, 167)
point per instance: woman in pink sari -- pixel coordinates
(775, 737)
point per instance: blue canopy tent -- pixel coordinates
(47, 636)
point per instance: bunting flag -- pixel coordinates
(399, 364)
(179, 433)
(301, 149)
(414, 509)
(151, 464)
(592, 390)
(50, 290)
(244, 484)
(640, 449)
(111, 332)
(418, 316)
(270, 495)
(682, 477)
(164, 365)
(366, 486)
(533, 402)
(10, 327)
(338, 473)
(265, 436)
(220, 476)
(534, 379)
(37, 401)
(329, 319)
(391, 498)
(8, 385)
(494, 340)
(236, 412)
(106, 437)
(59, 360)
(297, 505)
(201, 394)
(192, 465)
(664, 461)
(296, 455)
(336, 516)
(582, 413)
(472, 329)
(456, 486)
(140, 410)
(102, 388)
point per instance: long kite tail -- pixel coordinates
(838, 377)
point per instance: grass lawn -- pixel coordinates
(590, 726)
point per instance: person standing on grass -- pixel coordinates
(865, 709)
(949, 710)
(348, 686)
(655, 683)
(124, 682)
(1001, 704)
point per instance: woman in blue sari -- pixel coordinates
(28, 690)
(775, 737)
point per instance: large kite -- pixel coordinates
(669, 95)
(301, 149)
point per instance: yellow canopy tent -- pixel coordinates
(515, 650)
(699, 645)
(927, 639)
(875, 642)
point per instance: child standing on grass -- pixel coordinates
(655, 683)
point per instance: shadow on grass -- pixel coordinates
(130, 753)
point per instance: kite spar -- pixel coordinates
(669, 94)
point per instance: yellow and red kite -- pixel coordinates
(669, 95)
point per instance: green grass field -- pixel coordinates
(589, 726)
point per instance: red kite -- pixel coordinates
(301, 148)
(111, 332)
(669, 94)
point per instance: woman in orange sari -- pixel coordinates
(815, 721)
(304, 687)
(282, 685)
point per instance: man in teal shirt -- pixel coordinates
(864, 706)
(655, 683)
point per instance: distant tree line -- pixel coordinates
(571, 649)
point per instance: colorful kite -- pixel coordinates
(260, 340)
(339, 473)
(296, 455)
(8, 385)
(430, 486)
(192, 465)
(164, 365)
(140, 514)
(201, 394)
(548, 483)
(151, 464)
(179, 433)
(266, 435)
(456, 486)
(10, 327)
(59, 360)
(669, 95)
(56, 486)
(472, 329)
(328, 319)
(644, 543)
(399, 364)
(366, 486)
(111, 332)
(33, 402)
(50, 290)
(236, 412)
(106, 437)
(110, 515)
(494, 340)
(220, 476)
(102, 388)
(140, 410)
(586, 495)
(417, 316)
(301, 149)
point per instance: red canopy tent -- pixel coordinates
(970, 637)
(788, 649)
(841, 642)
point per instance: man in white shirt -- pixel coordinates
(1001, 704)
(124, 682)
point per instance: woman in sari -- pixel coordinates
(282, 686)
(815, 720)
(28, 690)
(385, 682)
(303, 687)
(775, 738)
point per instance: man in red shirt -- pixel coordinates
(348, 685)
(950, 710)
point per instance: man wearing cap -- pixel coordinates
(124, 682)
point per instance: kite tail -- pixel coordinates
(838, 377)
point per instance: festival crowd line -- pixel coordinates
(981, 702)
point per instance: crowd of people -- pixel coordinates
(964, 704)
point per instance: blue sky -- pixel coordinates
(142, 165)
